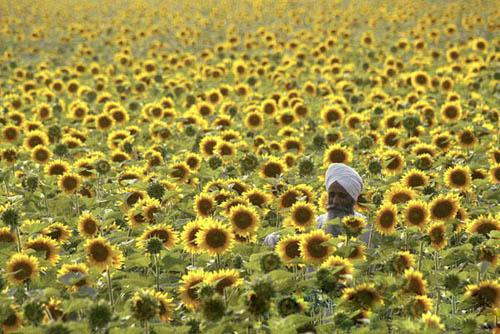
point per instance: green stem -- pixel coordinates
(157, 272)
(18, 237)
(436, 261)
(77, 204)
(110, 288)
(420, 254)
(370, 236)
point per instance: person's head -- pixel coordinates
(343, 185)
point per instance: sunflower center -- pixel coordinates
(337, 156)
(400, 197)
(222, 284)
(243, 220)
(387, 219)
(416, 181)
(41, 247)
(99, 252)
(316, 250)
(272, 170)
(57, 170)
(302, 216)
(69, 183)
(89, 226)
(160, 234)
(416, 216)
(22, 270)
(216, 238)
(458, 178)
(292, 249)
(442, 209)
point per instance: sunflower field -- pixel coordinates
(148, 147)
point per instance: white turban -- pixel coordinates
(347, 177)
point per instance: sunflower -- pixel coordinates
(189, 236)
(394, 162)
(244, 220)
(165, 306)
(88, 225)
(214, 237)
(57, 231)
(11, 133)
(179, 171)
(57, 167)
(332, 115)
(484, 224)
(420, 305)
(11, 320)
(22, 267)
(163, 232)
(416, 213)
(207, 145)
(254, 120)
(79, 268)
(451, 112)
(101, 254)
(289, 198)
(420, 80)
(35, 138)
(69, 183)
(437, 234)
(340, 266)
(337, 153)
(484, 294)
(354, 224)
(288, 248)
(432, 321)
(415, 282)
(104, 122)
(257, 197)
(458, 177)
(313, 248)
(386, 219)
(494, 174)
(204, 204)
(188, 290)
(224, 278)
(193, 160)
(46, 245)
(415, 178)
(398, 194)
(364, 296)
(302, 215)
(402, 260)
(444, 207)
(272, 168)
(6, 235)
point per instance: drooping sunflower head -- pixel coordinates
(485, 294)
(164, 232)
(420, 305)
(444, 207)
(342, 267)
(188, 289)
(494, 174)
(402, 260)
(393, 162)
(165, 306)
(314, 247)
(45, 245)
(224, 278)
(386, 219)
(58, 232)
(78, 271)
(437, 234)
(484, 224)
(12, 320)
(458, 177)
(414, 282)
(364, 296)
(244, 220)
(22, 267)
(214, 237)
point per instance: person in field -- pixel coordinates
(344, 185)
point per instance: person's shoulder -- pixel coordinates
(321, 218)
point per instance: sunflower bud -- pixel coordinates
(33, 312)
(248, 163)
(365, 142)
(375, 167)
(102, 166)
(10, 217)
(319, 142)
(144, 306)
(60, 150)
(452, 282)
(270, 262)
(213, 308)
(154, 245)
(288, 305)
(411, 122)
(156, 190)
(215, 162)
(54, 132)
(190, 131)
(306, 167)
(99, 315)
(30, 183)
